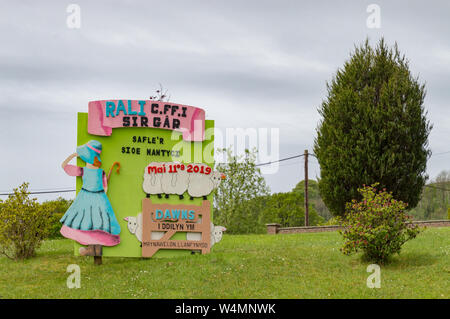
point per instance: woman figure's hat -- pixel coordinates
(89, 151)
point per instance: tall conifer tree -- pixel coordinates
(374, 128)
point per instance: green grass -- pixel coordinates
(250, 266)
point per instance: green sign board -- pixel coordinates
(135, 147)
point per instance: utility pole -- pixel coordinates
(306, 190)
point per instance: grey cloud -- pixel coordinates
(266, 59)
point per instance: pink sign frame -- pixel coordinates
(105, 115)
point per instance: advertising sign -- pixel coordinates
(145, 180)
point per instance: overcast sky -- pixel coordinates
(249, 64)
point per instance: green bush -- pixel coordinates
(314, 197)
(331, 222)
(55, 225)
(237, 204)
(23, 224)
(56, 208)
(377, 225)
(246, 218)
(288, 210)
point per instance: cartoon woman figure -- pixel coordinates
(90, 220)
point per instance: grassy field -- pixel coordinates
(251, 266)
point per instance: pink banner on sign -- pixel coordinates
(105, 115)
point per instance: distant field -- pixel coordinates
(250, 266)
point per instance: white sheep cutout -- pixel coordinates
(152, 181)
(175, 183)
(134, 225)
(216, 234)
(201, 185)
(163, 182)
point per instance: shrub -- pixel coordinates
(23, 224)
(314, 197)
(377, 225)
(55, 225)
(288, 209)
(235, 204)
(332, 222)
(56, 208)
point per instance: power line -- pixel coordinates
(442, 153)
(280, 160)
(288, 164)
(44, 189)
(49, 191)
(437, 187)
(43, 192)
(53, 191)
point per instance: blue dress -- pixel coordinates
(91, 209)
